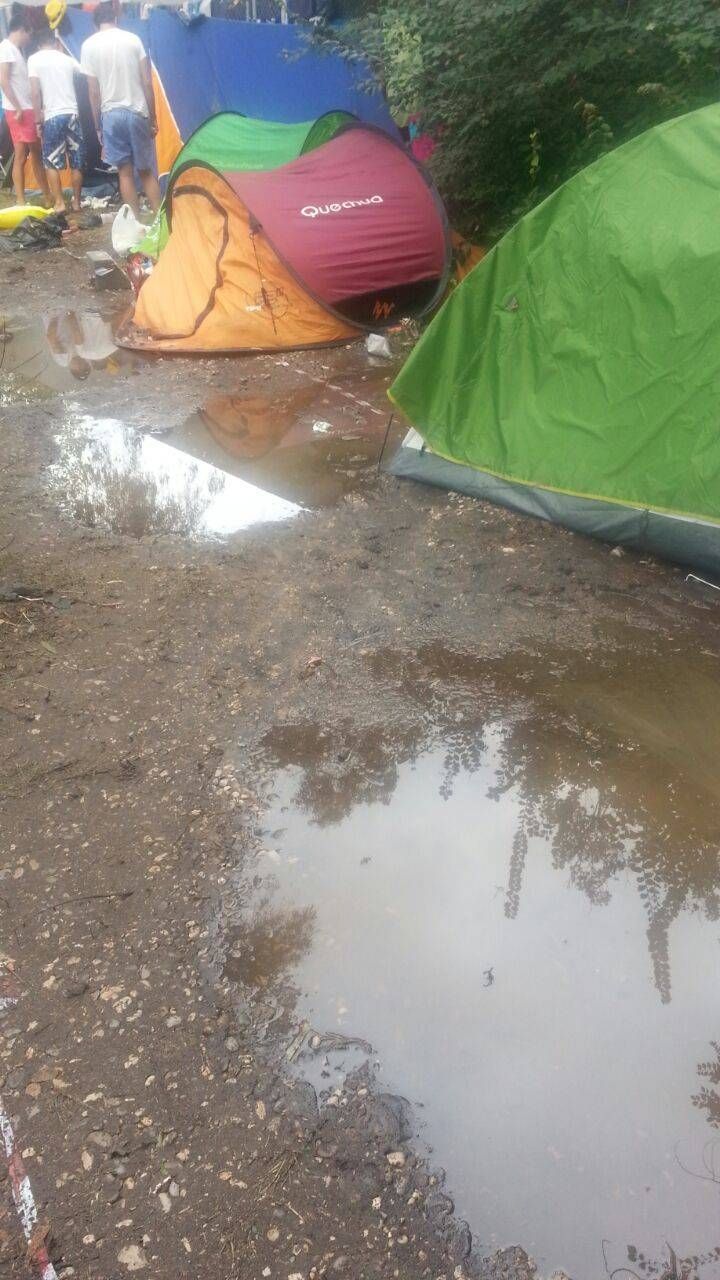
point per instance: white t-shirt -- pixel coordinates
(55, 71)
(19, 82)
(84, 334)
(114, 58)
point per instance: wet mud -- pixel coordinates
(358, 885)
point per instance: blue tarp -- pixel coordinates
(264, 70)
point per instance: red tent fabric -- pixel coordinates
(358, 222)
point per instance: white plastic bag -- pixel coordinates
(127, 232)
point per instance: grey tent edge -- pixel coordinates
(689, 542)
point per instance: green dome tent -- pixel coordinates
(233, 142)
(575, 374)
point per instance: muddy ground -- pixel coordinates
(148, 1078)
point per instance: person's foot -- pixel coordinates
(59, 208)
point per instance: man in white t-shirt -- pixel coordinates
(80, 341)
(17, 105)
(52, 86)
(123, 103)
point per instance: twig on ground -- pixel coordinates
(94, 897)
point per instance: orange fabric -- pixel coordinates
(256, 306)
(466, 255)
(168, 142)
(32, 175)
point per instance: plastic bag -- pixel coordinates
(127, 232)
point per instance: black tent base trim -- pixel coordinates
(694, 543)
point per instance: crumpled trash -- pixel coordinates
(322, 428)
(376, 344)
(36, 233)
(88, 219)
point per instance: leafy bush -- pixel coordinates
(520, 94)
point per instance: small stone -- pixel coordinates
(165, 1201)
(100, 1139)
(72, 990)
(396, 1159)
(273, 1234)
(132, 1257)
(232, 1045)
(174, 1021)
(87, 1161)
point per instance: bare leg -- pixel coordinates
(18, 171)
(151, 187)
(54, 178)
(36, 153)
(128, 192)
(76, 179)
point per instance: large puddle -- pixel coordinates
(511, 889)
(243, 458)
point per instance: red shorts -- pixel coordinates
(22, 130)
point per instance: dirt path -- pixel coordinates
(148, 1090)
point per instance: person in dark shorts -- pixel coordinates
(123, 103)
(52, 86)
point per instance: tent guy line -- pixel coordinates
(331, 386)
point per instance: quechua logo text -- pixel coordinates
(319, 210)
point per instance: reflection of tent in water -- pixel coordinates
(351, 236)
(271, 444)
(573, 375)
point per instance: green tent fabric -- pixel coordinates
(576, 370)
(230, 141)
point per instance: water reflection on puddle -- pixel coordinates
(116, 478)
(514, 896)
(308, 444)
(40, 358)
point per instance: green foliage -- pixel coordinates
(520, 94)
